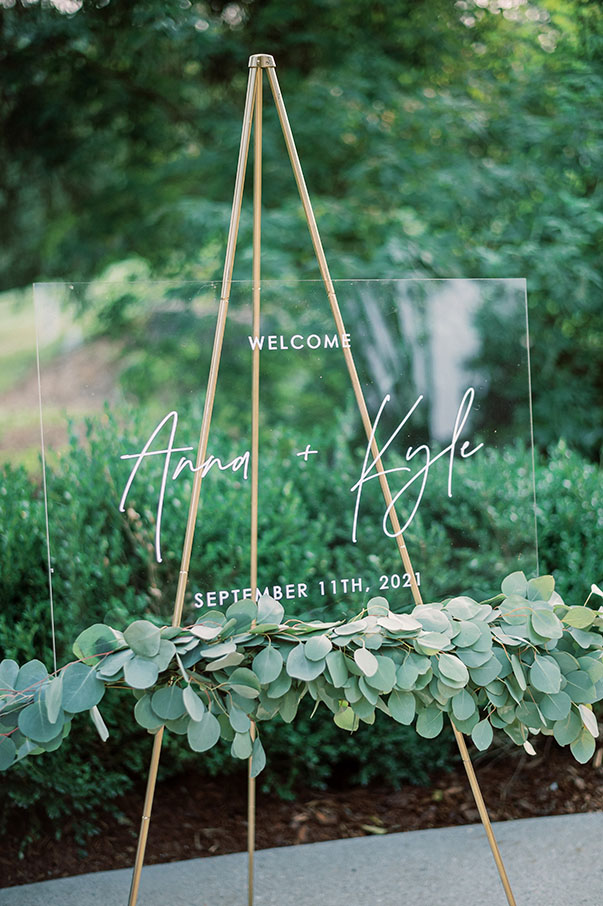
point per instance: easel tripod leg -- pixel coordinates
(483, 813)
(201, 453)
(146, 817)
(255, 426)
(324, 270)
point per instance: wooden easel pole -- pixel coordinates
(255, 419)
(201, 453)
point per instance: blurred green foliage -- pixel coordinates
(104, 570)
(438, 139)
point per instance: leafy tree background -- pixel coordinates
(438, 139)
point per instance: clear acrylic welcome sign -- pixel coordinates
(442, 365)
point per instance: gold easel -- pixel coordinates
(253, 106)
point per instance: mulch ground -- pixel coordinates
(195, 817)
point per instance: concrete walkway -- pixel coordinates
(550, 862)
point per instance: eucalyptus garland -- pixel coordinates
(522, 662)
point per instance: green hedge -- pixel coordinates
(104, 572)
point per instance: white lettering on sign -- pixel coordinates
(368, 472)
(421, 474)
(297, 341)
(239, 462)
(220, 597)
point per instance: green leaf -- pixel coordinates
(27, 748)
(463, 608)
(378, 607)
(545, 674)
(482, 734)
(384, 677)
(366, 660)
(589, 720)
(468, 633)
(585, 638)
(567, 662)
(218, 650)
(289, 705)
(270, 610)
(556, 706)
(318, 647)
(529, 714)
(258, 758)
(515, 610)
(546, 624)
(8, 752)
(463, 705)
(34, 722)
(244, 682)
(267, 664)
(364, 710)
(488, 672)
(579, 617)
(239, 721)
(143, 638)
(431, 642)
(241, 746)
(472, 658)
(432, 619)
(514, 584)
(203, 734)
(244, 612)
(583, 747)
(229, 660)
(346, 719)
(262, 629)
(144, 714)
(168, 702)
(30, 675)
(300, 667)
(407, 673)
(206, 631)
(402, 707)
(336, 665)
(167, 650)
(95, 641)
(367, 691)
(541, 589)
(111, 665)
(141, 672)
(430, 722)
(518, 672)
(484, 643)
(54, 697)
(9, 671)
(195, 706)
(466, 726)
(452, 668)
(280, 686)
(566, 730)
(179, 726)
(99, 723)
(592, 665)
(82, 689)
(400, 624)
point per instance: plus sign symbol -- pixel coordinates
(307, 452)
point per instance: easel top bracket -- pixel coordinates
(261, 61)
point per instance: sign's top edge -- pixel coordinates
(292, 282)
